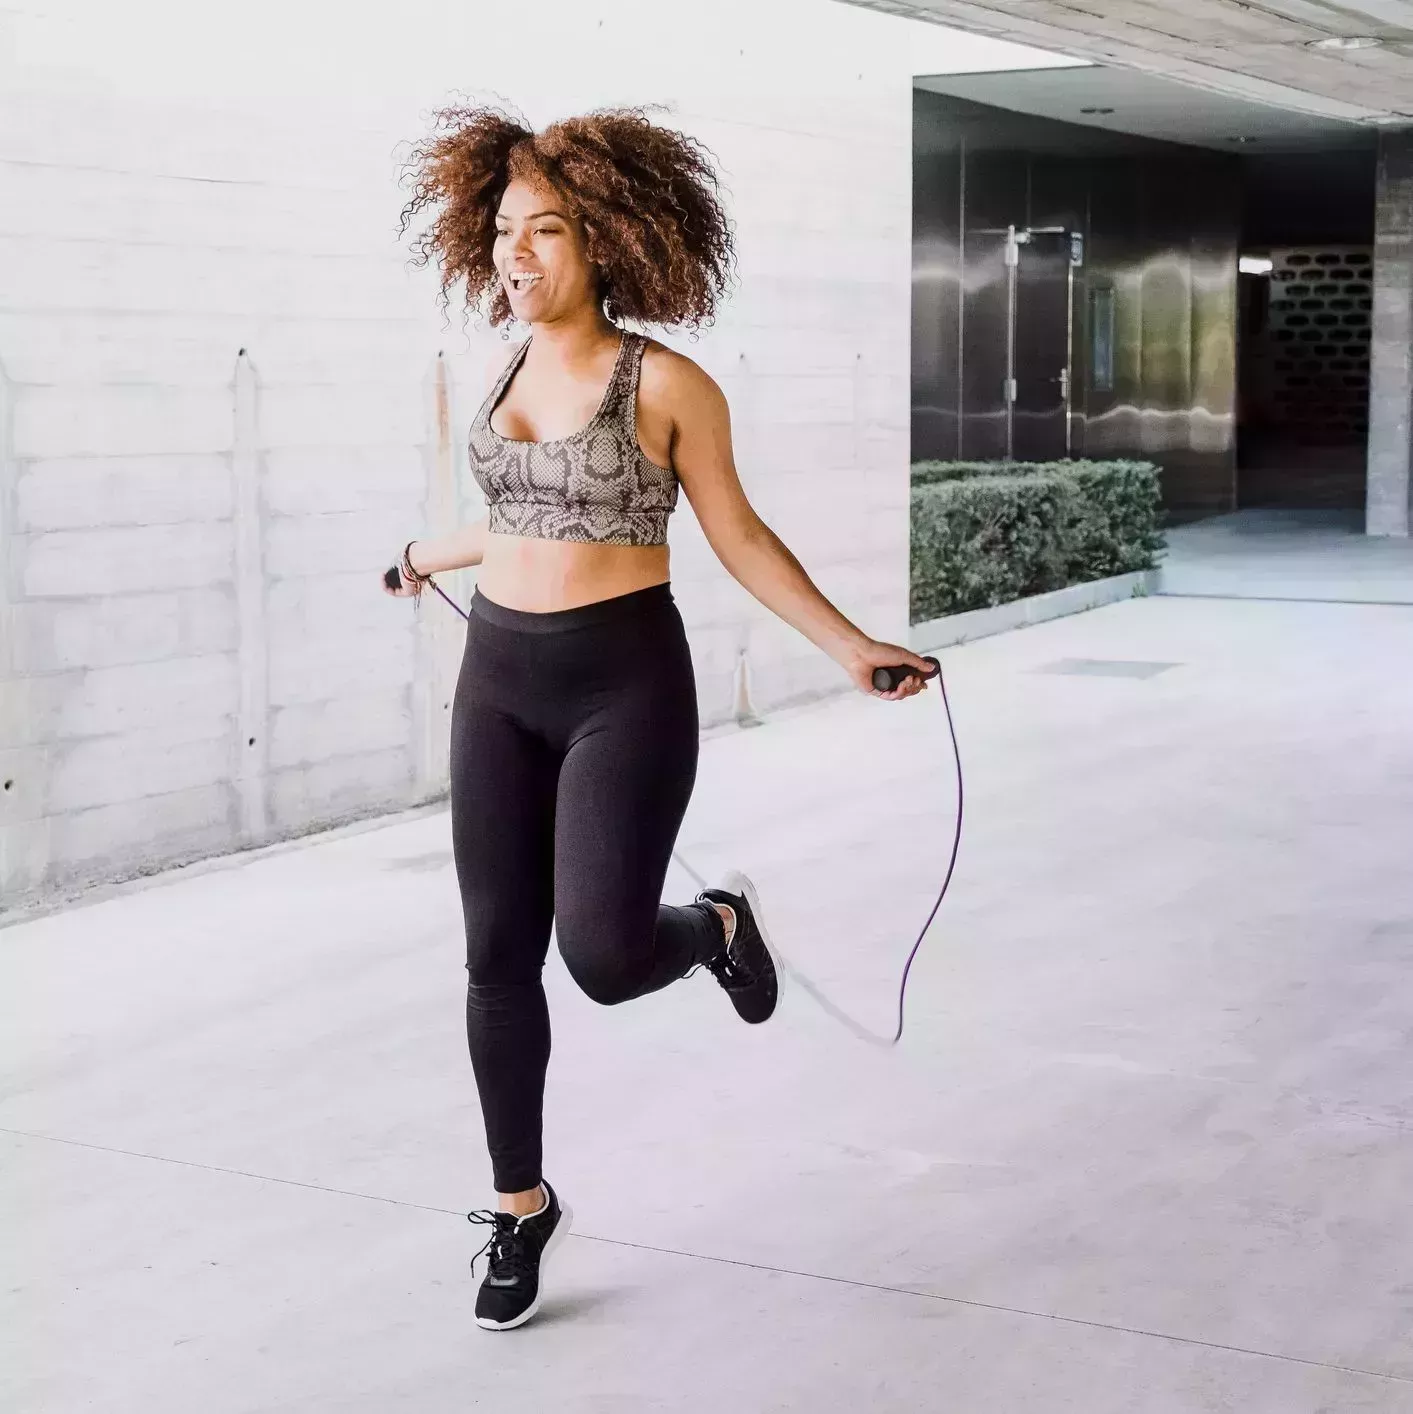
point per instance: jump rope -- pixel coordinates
(884, 680)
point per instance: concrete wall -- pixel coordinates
(1390, 487)
(226, 400)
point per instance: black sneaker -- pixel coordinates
(748, 968)
(518, 1248)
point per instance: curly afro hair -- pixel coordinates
(647, 196)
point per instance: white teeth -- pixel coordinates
(522, 278)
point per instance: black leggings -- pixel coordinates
(573, 754)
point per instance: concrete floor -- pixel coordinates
(1271, 554)
(1147, 1144)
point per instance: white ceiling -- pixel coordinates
(1260, 50)
(1152, 107)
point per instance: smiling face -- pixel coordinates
(540, 253)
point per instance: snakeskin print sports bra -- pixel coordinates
(595, 484)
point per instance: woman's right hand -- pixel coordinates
(396, 585)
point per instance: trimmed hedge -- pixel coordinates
(987, 533)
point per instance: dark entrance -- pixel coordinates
(1305, 320)
(1041, 339)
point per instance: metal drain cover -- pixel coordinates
(1107, 667)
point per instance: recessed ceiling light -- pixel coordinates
(1096, 110)
(1346, 41)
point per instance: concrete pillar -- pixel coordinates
(9, 569)
(1391, 365)
(13, 700)
(253, 717)
(440, 635)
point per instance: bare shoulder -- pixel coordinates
(496, 362)
(673, 382)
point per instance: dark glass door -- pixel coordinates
(1042, 349)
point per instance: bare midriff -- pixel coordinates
(540, 576)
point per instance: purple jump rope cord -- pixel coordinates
(839, 1015)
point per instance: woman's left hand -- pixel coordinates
(861, 662)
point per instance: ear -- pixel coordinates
(605, 293)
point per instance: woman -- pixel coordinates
(574, 729)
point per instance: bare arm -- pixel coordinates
(463, 547)
(466, 545)
(750, 551)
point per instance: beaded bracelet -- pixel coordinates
(409, 572)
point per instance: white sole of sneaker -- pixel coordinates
(736, 882)
(566, 1221)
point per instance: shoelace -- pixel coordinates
(506, 1246)
(730, 971)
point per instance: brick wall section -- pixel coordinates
(220, 400)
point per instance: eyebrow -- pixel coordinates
(535, 216)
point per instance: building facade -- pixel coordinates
(226, 400)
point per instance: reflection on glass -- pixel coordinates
(1101, 325)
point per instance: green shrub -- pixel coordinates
(930, 473)
(987, 533)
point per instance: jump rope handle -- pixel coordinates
(887, 679)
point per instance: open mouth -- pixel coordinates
(522, 280)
